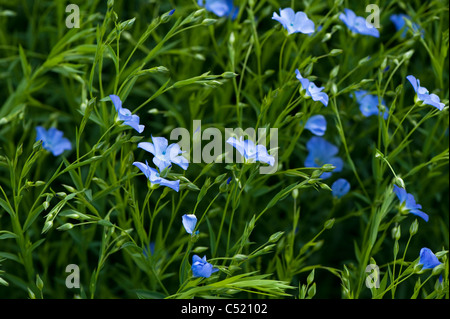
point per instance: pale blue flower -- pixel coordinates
(53, 140)
(154, 178)
(317, 124)
(164, 154)
(423, 94)
(399, 21)
(322, 152)
(340, 187)
(408, 203)
(189, 222)
(312, 90)
(125, 115)
(358, 24)
(250, 151)
(221, 8)
(202, 268)
(294, 22)
(368, 104)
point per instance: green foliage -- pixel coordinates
(267, 234)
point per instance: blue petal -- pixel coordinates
(340, 187)
(413, 82)
(160, 144)
(419, 213)
(175, 185)
(263, 156)
(149, 147)
(238, 145)
(428, 259)
(162, 164)
(189, 221)
(317, 124)
(116, 101)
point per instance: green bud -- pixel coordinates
(167, 16)
(39, 282)
(37, 145)
(399, 182)
(378, 154)
(329, 223)
(224, 187)
(326, 37)
(19, 150)
(312, 291)
(396, 248)
(208, 22)
(70, 188)
(295, 193)
(220, 178)
(31, 294)
(64, 227)
(310, 278)
(199, 12)
(408, 54)
(267, 249)
(275, 237)
(229, 75)
(414, 227)
(336, 52)
(47, 226)
(200, 249)
(438, 269)
(328, 167)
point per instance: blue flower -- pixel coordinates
(358, 24)
(294, 22)
(201, 268)
(154, 178)
(164, 154)
(312, 90)
(125, 115)
(428, 259)
(317, 124)
(53, 140)
(423, 94)
(189, 222)
(221, 8)
(340, 187)
(250, 151)
(399, 21)
(368, 104)
(408, 203)
(322, 152)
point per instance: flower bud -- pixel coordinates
(64, 227)
(329, 223)
(414, 227)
